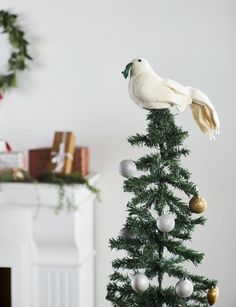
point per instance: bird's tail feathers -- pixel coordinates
(204, 113)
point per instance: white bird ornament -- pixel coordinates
(150, 91)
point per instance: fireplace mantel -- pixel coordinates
(30, 194)
(51, 256)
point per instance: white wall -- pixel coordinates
(80, 48)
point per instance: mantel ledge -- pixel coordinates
(31, 195)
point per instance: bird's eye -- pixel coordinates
(139, 60)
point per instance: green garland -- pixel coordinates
(19, 55)
(15, 175)
(70, 179)
(61, 180)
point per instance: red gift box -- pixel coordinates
(40, 158)
(39, 161)
(81, 161)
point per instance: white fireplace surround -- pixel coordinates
(51, 256)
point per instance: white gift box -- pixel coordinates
(11, 160)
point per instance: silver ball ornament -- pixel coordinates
(123, 232)
(140, 283)
(126, 233)
(184, 288)
(127, 168)
(166, 222)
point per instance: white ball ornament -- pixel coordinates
(184, 288)
(166, 222)
(127, 168)
(140, 283)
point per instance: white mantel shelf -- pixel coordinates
(31, 194)
(51, 256)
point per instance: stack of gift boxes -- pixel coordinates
(64, 157)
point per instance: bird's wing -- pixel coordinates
(176, 87)
(180, 90)
(151, 90)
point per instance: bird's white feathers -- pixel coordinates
(204, 113)
(150, 91)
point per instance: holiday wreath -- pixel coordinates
(19, 54)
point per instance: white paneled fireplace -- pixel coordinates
(47, 260)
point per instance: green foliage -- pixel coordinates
(19, 55)
(61, 180)
(150, 251)
(67, 179)
(9, 175)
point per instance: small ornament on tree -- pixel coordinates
(126, 233)
(166, 222)
(140, 283)
(212, 295)
(127, 168)
(197, 205)
(184, 288)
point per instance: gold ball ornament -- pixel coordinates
(197, 204)
(212, 295)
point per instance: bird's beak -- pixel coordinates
(127, 70)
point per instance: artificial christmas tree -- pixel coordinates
(158, 224)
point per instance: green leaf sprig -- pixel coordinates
(19, 55)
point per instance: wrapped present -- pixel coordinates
(81, 161)
(62, 153)
(39, 160)
(11, 160)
